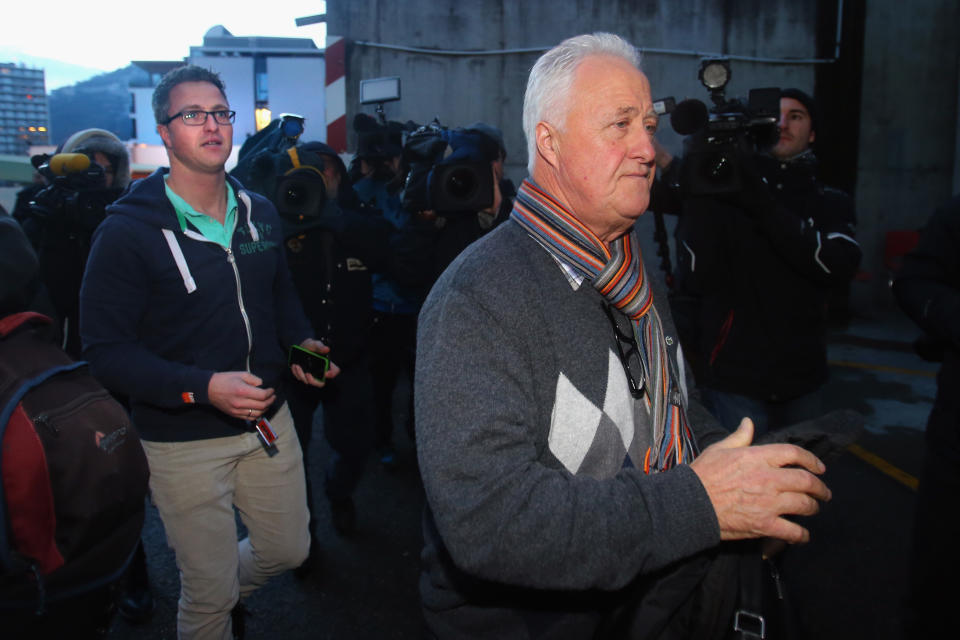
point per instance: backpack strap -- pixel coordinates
(13, 322)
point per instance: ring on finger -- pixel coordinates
(249, 413)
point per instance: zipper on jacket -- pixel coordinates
(243, 310)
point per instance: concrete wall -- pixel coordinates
(909, 123)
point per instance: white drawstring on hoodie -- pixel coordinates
(177, 252)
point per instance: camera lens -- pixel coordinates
(294, 196)
(463, 186)
(300, 193)
(718, 168)
(461, 183)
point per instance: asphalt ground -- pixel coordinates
(849, 582)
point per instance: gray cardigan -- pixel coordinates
(530, 448)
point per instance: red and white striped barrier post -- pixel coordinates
(336, 93)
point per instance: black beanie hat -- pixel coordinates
(19, 268)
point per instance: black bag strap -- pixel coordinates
(748, 620)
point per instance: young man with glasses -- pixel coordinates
(188, 308)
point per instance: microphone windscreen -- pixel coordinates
(66, 163)
(689, 117)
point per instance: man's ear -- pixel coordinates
(164, 134)
(812, 138)
(548, 143)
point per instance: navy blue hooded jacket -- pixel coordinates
(162, 310)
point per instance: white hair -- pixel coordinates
(552, 76)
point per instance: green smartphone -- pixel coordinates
(316, 364)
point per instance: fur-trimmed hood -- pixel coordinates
(89, 141)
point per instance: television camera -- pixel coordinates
(74, 201)
(272, 164)
(449, 170)
(718, 138)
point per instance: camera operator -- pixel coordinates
(333, 244)
(377, 181)
(87, 173)
(452, 194)
(754, 271)
(458, 227)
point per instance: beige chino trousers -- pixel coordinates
(195, 486)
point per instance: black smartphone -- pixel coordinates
(316, 364)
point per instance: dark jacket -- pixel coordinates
(332, 263)
(334, 254)
(928, 290)
(753, 274)
(60, 219)
(156, 328)
(457, 230)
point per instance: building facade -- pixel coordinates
(24, 116)
(264, 77)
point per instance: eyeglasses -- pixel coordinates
(198, 117)
(629, 352)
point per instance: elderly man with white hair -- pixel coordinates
(571, 491)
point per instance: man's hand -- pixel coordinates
(238, 394)
(752, 488)
(317, 347)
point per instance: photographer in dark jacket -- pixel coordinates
(334, 243)
(453, 194)
(60, 218)
(377, 179)
(457, 228)
(331, 259)
(754, 271)
(928, 290)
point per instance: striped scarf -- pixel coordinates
(618, 274)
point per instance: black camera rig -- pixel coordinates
(74, 201)
(449, 170)
(272, 164)
(718, 137)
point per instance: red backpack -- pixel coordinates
(73, 475)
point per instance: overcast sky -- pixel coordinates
(108, 34)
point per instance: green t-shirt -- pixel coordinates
(208, 227)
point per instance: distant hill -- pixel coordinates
(102, 101)
(56, 73)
